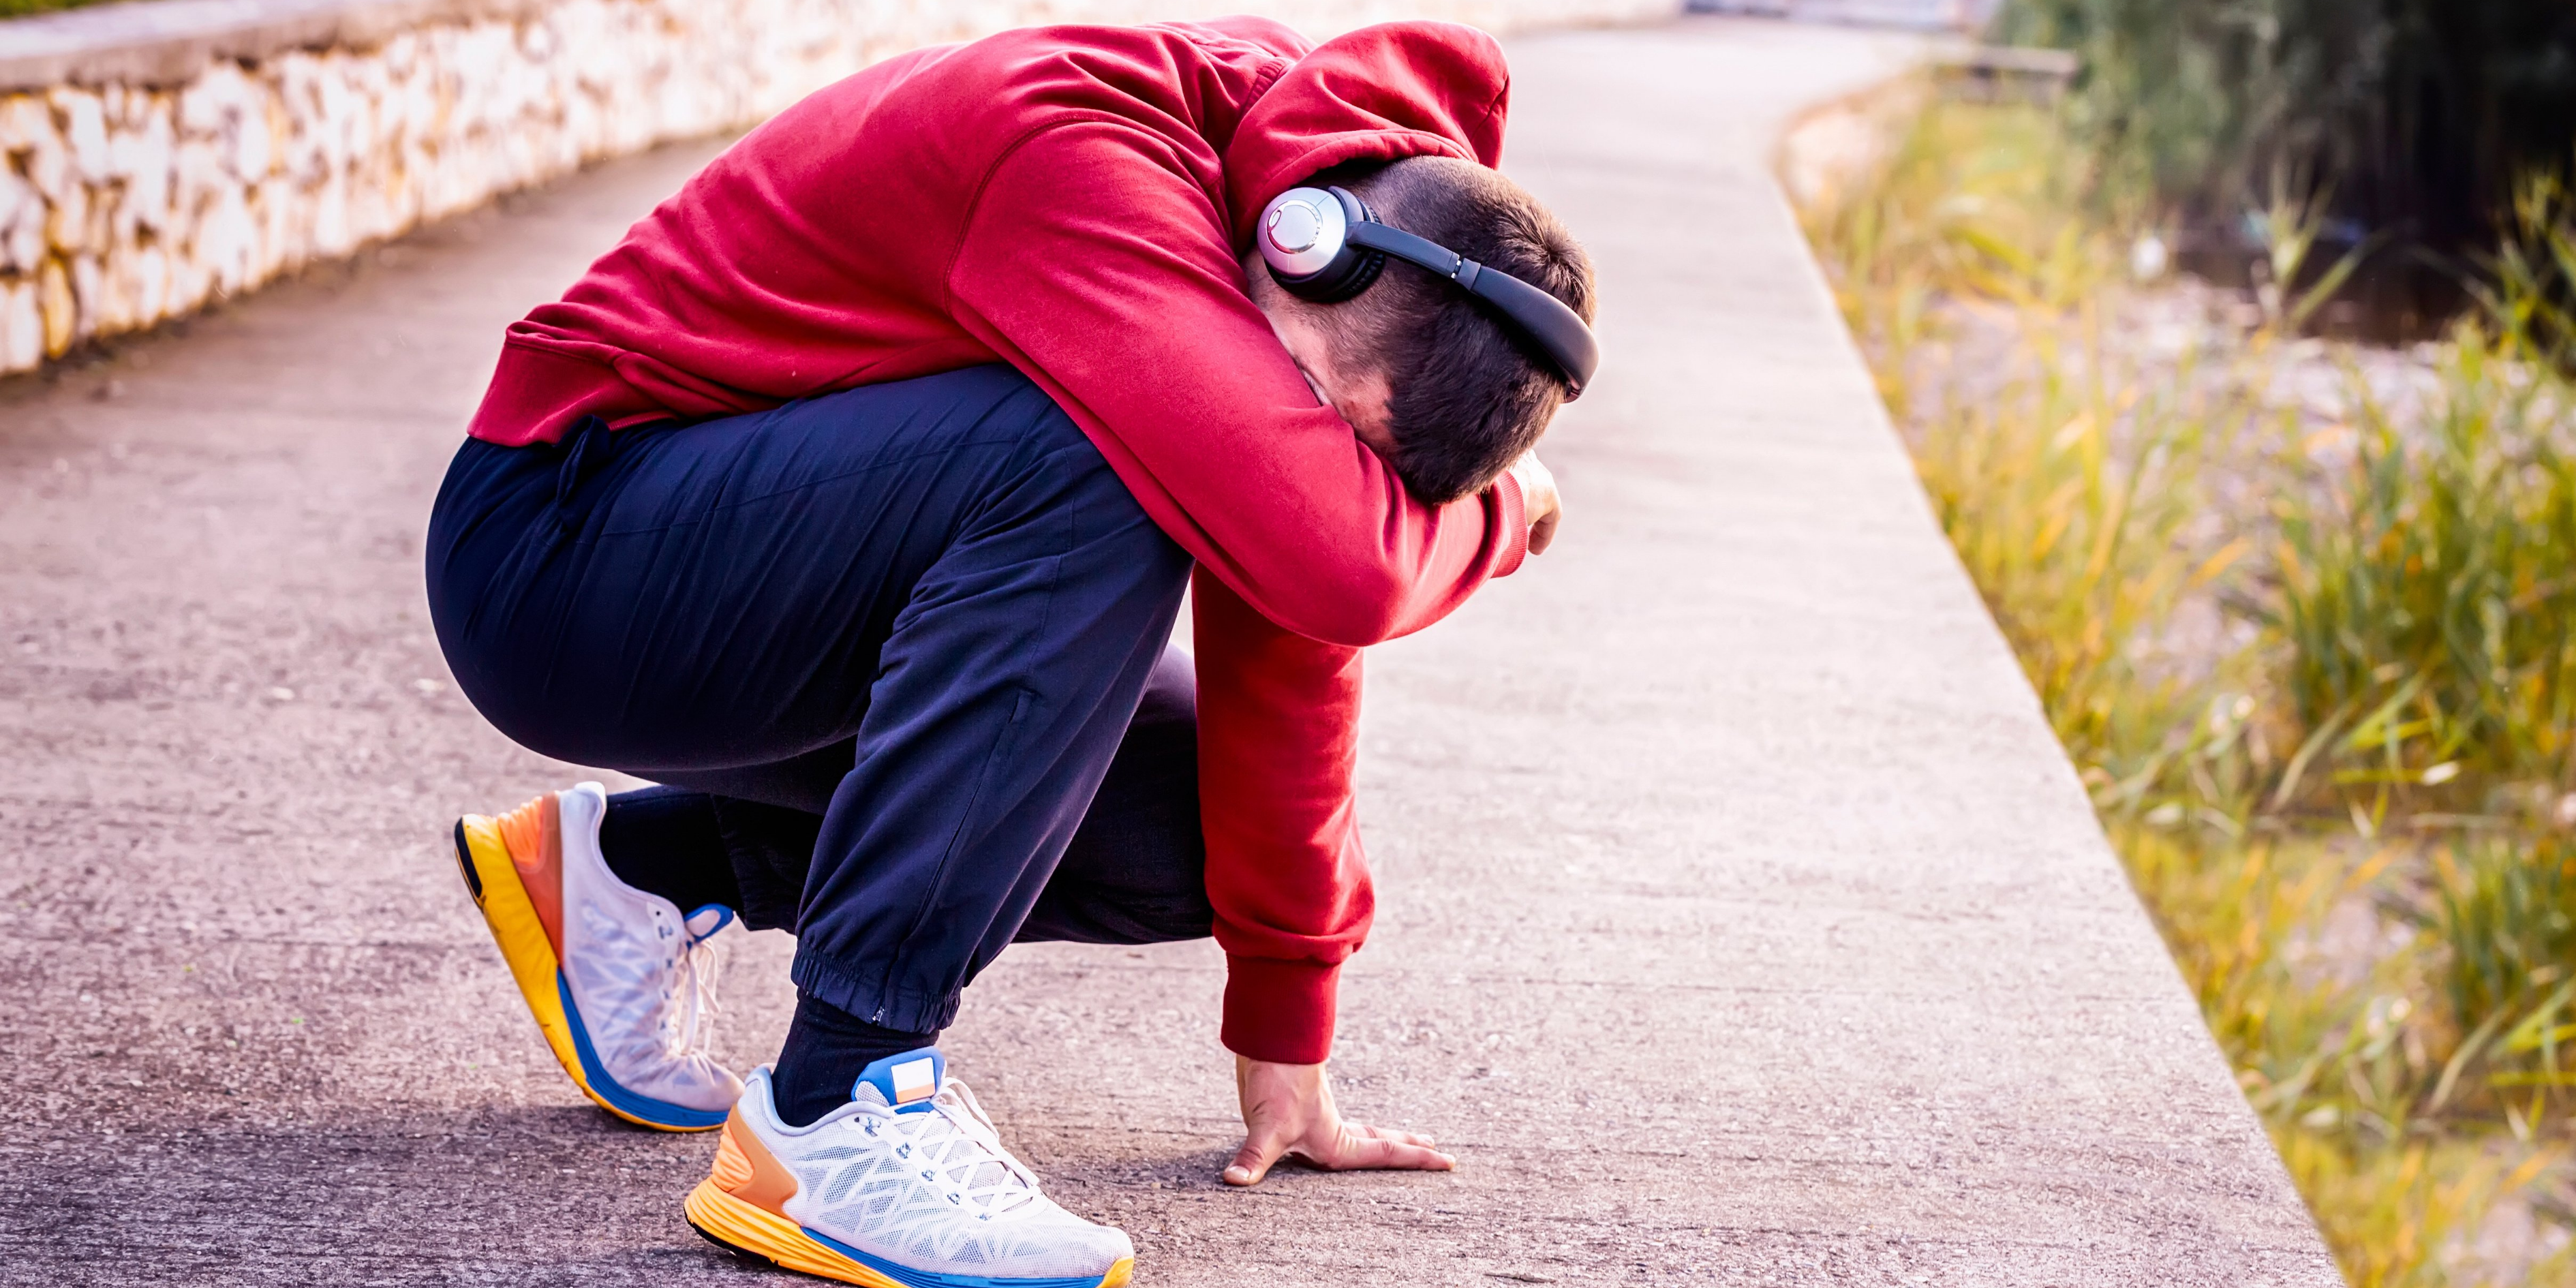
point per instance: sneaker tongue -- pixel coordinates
(906, 1082)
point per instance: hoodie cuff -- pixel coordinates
(1279, 1011)
(1512, 514)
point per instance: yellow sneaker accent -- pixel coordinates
(729, 1221)
(740, 1205)
(493, 879)
(773, 1238)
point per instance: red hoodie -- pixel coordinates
(1075, 201)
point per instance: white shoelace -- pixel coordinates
(688, 1010)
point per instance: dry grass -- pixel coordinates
(2314, 652)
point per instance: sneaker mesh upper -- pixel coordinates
(933, 1189)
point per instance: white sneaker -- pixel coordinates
(623, 985)
(908, 1184)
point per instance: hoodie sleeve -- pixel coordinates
(1278, 739)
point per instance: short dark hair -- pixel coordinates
(1468, 392)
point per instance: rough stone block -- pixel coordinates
(190, 284)
(22, 224)
(150, 284)
(89, 288)
(60, 312)
(48, 162)
(144, 158)
(84, 125)
(23, 117)
(22, 326)
(226, 244)
(67, 220)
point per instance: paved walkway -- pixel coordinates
(1741, 922)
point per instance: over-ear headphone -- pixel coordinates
(1325, 245)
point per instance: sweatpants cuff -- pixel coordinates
(877, 1002)
(1279, 1011)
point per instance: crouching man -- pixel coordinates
(852, 497)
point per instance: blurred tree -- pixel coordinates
(2408, 119)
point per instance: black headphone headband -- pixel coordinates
(1357, 248)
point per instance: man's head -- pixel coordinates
(1429, 376)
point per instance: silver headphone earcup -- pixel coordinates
(1302, 231)
(1304, 235)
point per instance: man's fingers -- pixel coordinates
(1542, 533)
(1540, 504)
(1360, 1150)
(1371, 1154)
(1252, 1162)
(1546, 515)
(1400, 1137)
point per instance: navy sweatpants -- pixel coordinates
(898, 636)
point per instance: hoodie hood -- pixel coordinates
(1382, 93)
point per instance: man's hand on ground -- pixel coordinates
(1288, 1109)
(1538, 500)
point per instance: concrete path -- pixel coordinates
(1741, 922)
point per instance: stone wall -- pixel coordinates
(157, 156)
